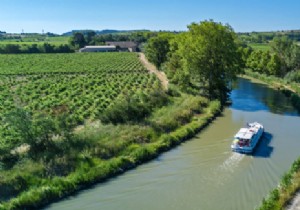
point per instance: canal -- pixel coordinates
(203, 173)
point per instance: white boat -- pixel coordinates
(247, 138)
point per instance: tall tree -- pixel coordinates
(210, 53)
(77, 40)
(157, 49)
(288, 52)
(89, 37)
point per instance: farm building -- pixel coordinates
(98, 49)
(124, 46)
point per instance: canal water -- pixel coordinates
(203, 173)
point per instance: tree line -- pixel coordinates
(265, 37)
(210, 55)
(75, 42)
(35, 48)
(283, 59)
(81, 39)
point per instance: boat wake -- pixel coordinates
(227, 168)
(232, 162)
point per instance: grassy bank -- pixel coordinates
(290, 182)
(286, 190)
(112, 150)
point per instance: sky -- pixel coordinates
(59, 16)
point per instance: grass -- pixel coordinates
(258, 46)
(59, 40)
(181, 111)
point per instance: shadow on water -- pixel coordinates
(260, 97)
(263, 149)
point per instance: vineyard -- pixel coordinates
(69, 63)
(81, 85)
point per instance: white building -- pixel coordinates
(105, 48)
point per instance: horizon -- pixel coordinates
(108, 29)
(60, 17)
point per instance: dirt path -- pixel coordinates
(295, 203)
(149, 66)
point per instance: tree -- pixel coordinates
(210, 53)
(47, 48)
(77, 40)
(39, 133)
(274, 65)
(265, 62)
(89, 37)
(253, 61)
(288, 52)
(12, 48)
(157, 49)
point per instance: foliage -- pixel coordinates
(293, 76)
(157, 49)
(210, 55)
(77, 40)
(134, 152)
(177, 113)
(264, 62)
(265, 37)
(278, 58)
(10, 48)
(135, 36)
(288, 52)
(134, 108)
(38, 133)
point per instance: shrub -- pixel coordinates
(293, 76)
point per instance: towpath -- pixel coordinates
(295, 204)
(150, 67)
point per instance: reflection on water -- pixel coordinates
(251, 98)
(203, 173)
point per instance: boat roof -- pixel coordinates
(244, 133)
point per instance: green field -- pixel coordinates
(257, 46)
(58, 40)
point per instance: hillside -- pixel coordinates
(105, 31)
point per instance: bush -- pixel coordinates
(133, 108)
(177, 113)
(293, 76)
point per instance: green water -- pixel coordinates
(203, 173)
